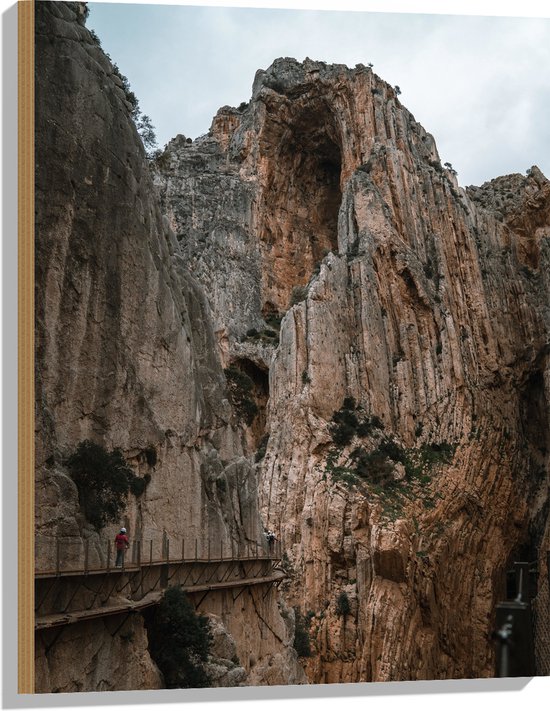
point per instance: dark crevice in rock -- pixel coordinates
(534, 413)
(301, 198)
(259, 394)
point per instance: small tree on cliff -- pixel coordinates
(146, 130)
(142, 122)
(450, 168)
(179, 641)
(343, 607)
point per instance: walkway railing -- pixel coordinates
(85, 582)
(75, 557)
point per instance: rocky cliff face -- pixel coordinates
(390, 327)
(127, 356)
(406, 435)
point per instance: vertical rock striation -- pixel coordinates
(416, 309)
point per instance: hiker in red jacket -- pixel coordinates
(122, 544)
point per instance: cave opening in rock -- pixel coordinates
(301, 199)
(257, 386)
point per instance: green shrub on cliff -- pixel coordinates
(350, 420)
(302, 643)
(274, 320)
(343, 606)
(179, 641)
(266, 335)
(376, 466)
(142, 122)
(103, 480)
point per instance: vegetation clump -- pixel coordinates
(375, 466)
(344, 474)
(376, 469)
(273, 320)
(138, 484)
(378, 465)
(450, 168)
(240, 390)
(349, 421)
(179, 641)
(299, 293)
(343, 606)
(437, 452)
(267, 335)
(302, 643)
(151, 456)
(103, 480)
(142, 122)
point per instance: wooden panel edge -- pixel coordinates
(25, 343)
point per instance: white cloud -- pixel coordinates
(479, 85)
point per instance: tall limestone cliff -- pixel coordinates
(403, 428)
(126, 356)
(394, 327)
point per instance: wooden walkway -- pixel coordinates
(152, 598)
(78, 591)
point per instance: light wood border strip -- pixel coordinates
(25, 344)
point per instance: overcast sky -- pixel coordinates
(480, 85)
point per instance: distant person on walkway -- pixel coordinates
(270, 540)
(121, 544)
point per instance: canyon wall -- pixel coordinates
(127, 356)
(391, 330)
(403, 324)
